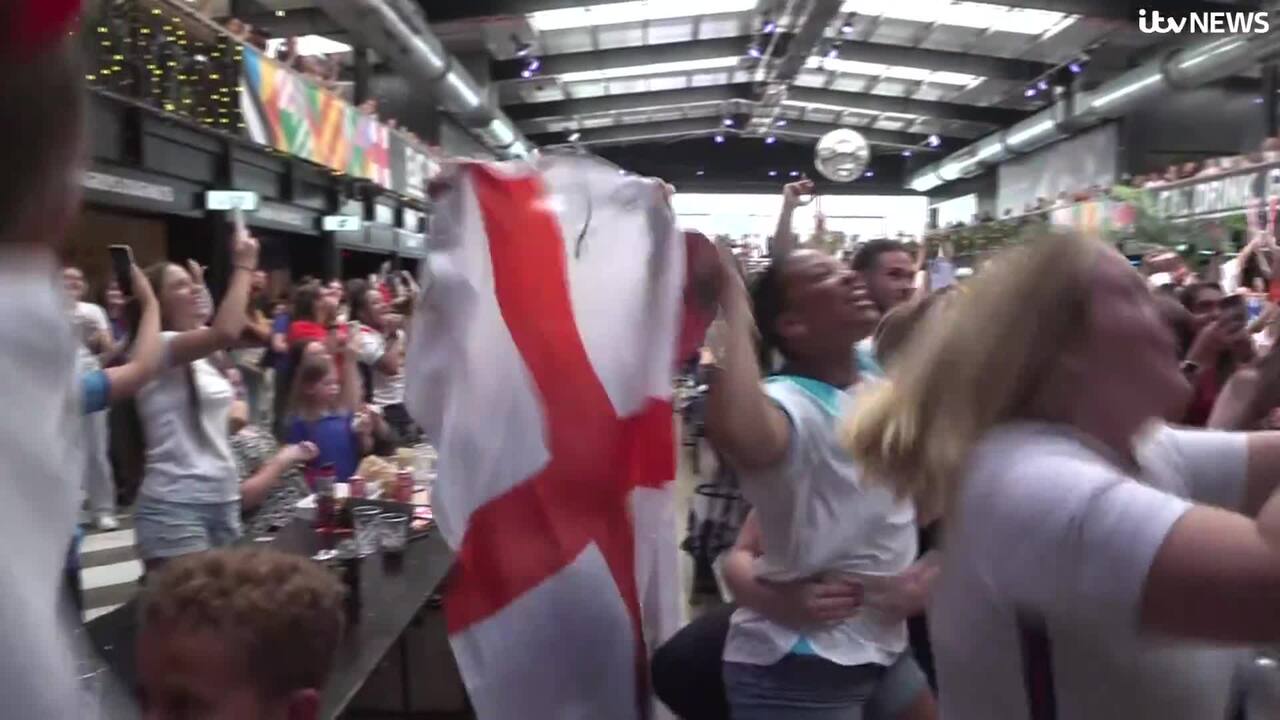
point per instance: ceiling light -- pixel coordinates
(934, 141)
(613, 13)
(770, 140)
(522, 47)
(575, 136)
(728, 122)
(701, 172)
(309, 45)
(719, 137)
(794, 173)
(1029, 92)
(1042, 84)
(678, 66)
(534, 65)
(846, 27)
(1076, 66)
(754, 51)
(526, 73)
(833, 52)
(769, 26)
(773, 173)
(906, 153)
(280, 13)
(1258, 101)
(977, 15)
(869, 173)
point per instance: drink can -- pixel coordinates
(404, 486)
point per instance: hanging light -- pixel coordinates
(531, 67)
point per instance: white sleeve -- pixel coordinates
(100, 319)
(369, 347)
(1074, 541)
(1212, 466)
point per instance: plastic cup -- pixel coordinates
(367, 527)
(394, 532)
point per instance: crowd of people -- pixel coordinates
(1101, 556)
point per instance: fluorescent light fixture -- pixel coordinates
(652, 69)
(900, 72)
(1126, 90)
(975, 15)
(635, 11)
(309, 45)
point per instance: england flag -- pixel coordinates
(539, 364)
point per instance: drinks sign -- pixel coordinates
(1218, 195)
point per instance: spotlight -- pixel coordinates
(869, 173)
(1076, 67)
(934, 141)
(1029, 92)
(719, 137)
(773, 173)
(533, 65)
(794, 173)
(770, 140)
(754, 51)
(1042, 84)
(833, 52)
(728, 122)
(526, 73)
(575, 136)
(522, 47)
(701, 172)
(906, 153)
(782, 122)
(769, 26)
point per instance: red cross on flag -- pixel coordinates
(539, 364)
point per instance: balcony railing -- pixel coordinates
(165, 55)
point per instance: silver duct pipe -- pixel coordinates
(404, 39)
(1179, 69)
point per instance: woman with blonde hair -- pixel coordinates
(1091, 555)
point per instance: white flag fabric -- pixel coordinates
(539, 365)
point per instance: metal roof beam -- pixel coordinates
(640, 132)
(906, 106)
(629, 101)
(968, 63)
(628, 57)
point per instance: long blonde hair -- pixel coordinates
(974, 363)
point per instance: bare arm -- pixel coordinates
(148, 352)
(230, 319)
(784, 239)
(352, 396)
(742, 422)
(255, 488)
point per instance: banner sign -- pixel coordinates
(341, 223)
(292, 114)
(126, 186)
(231, 199)
(1217, 195)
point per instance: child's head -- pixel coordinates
(243, 634)
(315, 383)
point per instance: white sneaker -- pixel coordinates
(106, 521)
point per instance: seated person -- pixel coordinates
(238, 634)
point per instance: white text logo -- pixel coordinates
(1233, 23)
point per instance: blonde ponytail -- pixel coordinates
(974, 362)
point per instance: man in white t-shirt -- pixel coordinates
(380, 347)
(1070, 524)
(93, 332)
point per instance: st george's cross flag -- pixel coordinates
(539, 365)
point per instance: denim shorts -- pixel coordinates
(170, 529)
(800, 687)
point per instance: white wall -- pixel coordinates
(960, 209)
(1073, 164)
(756, 215)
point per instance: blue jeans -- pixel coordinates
(799, 687)
(170, 529)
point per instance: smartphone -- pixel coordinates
(122, 267)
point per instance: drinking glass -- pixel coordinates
(365, 520)
(395, 532)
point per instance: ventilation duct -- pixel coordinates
(1178, 69)
(398, 32)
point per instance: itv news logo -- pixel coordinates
(1218, 22)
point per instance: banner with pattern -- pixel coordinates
(292, 114)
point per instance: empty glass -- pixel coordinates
(394, 532)
(365, 520)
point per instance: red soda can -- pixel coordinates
(357, 487)
(404, 486)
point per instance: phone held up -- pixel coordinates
(122, 267)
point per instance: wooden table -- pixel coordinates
(391, 593)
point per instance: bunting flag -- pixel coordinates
(539, 364)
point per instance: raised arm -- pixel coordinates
(742, 422)
(352, 395)
(784, 238)
(230, 319)
(125, 380)
(255, 488)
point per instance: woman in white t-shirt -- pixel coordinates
(817, 516)
(190, 496)
(1091, 558)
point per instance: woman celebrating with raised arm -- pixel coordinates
(190, 497)
(1092, 556)
(817, 515)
